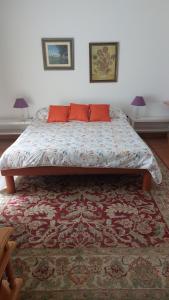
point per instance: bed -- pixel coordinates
(79, 148)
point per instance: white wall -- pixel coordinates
(140, 26)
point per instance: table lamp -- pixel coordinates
(21, 103)
(138, 101)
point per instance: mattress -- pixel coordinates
(81, 144)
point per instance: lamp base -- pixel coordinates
(137, 112)
(24, 115)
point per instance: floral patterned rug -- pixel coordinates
(90, 237)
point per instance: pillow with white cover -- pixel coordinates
(115, 113)
(42, 114)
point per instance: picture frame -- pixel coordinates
(58, 53)
(103, 62)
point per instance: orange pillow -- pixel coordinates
(79, 112)
(58, 113)
(99, 112)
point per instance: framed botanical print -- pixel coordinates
(58, 53)
(103, 60)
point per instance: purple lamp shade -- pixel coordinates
(138, 101)
(20, 103)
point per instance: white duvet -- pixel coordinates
(83, 144)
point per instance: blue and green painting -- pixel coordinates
(58, 54)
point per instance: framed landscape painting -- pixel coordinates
(103, 59)
(58, 54)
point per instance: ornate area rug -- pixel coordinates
(90, 237)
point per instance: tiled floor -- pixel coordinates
(4, 144)
(161, 147)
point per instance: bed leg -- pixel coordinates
(10, 183)
(147, 182)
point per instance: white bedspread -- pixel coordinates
(83, 144)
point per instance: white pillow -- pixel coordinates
(42, 114)
(117, 113)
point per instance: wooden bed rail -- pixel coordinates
(39, 171)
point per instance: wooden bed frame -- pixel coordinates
(38, 171)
